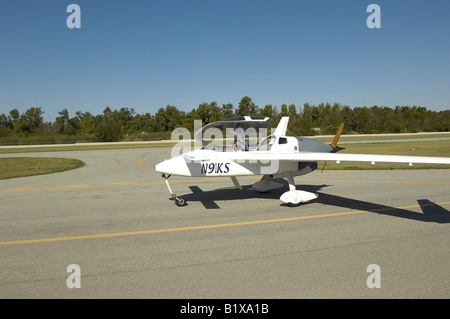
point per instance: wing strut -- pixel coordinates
(236, 182)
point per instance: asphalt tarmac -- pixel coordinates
(370, 234)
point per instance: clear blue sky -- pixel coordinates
(149, 54)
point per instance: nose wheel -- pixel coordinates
(179, 201)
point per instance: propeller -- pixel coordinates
(336, 139)
(334, 143)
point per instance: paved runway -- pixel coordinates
(114, 219)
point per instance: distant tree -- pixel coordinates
(5, 125)
(216, 112)
(188, 121)
(61, 121)
(141, 123)
(247, 107)
(108, 131)
(167, 119)
(31, 120)
(292, 111)
(227, 110)
(325, 118)
(15, 115)
(174, 118)
(107, 112)
(161, 120)
(107, 127)
(284, 110)
(86, 123)
(5, 121)
(268, 111)
(123, 116)
(204, 111)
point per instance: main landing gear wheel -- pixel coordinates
(178, 200)
(293, 197)
(293, 205)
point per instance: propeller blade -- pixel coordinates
(338, 134)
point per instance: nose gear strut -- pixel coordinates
(179, 201)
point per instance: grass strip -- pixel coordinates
(12, 167)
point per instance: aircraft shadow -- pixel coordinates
(431, 212)
(208, 198)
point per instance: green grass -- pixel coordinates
(74, 147)
(12, 167)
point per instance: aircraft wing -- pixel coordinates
(335, 157)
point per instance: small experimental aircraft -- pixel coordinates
(275, 156)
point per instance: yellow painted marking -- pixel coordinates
(123, 184)
(18, 189)
(72, 186)
(141, 162)
(177, 229)
(199, 180)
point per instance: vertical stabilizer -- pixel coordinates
(282, 126)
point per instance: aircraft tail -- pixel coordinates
(282, 126)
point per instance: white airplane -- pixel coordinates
(277, 156)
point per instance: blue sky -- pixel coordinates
(150, 54)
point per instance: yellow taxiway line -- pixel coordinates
(187, 228)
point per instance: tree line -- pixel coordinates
(125, 124)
